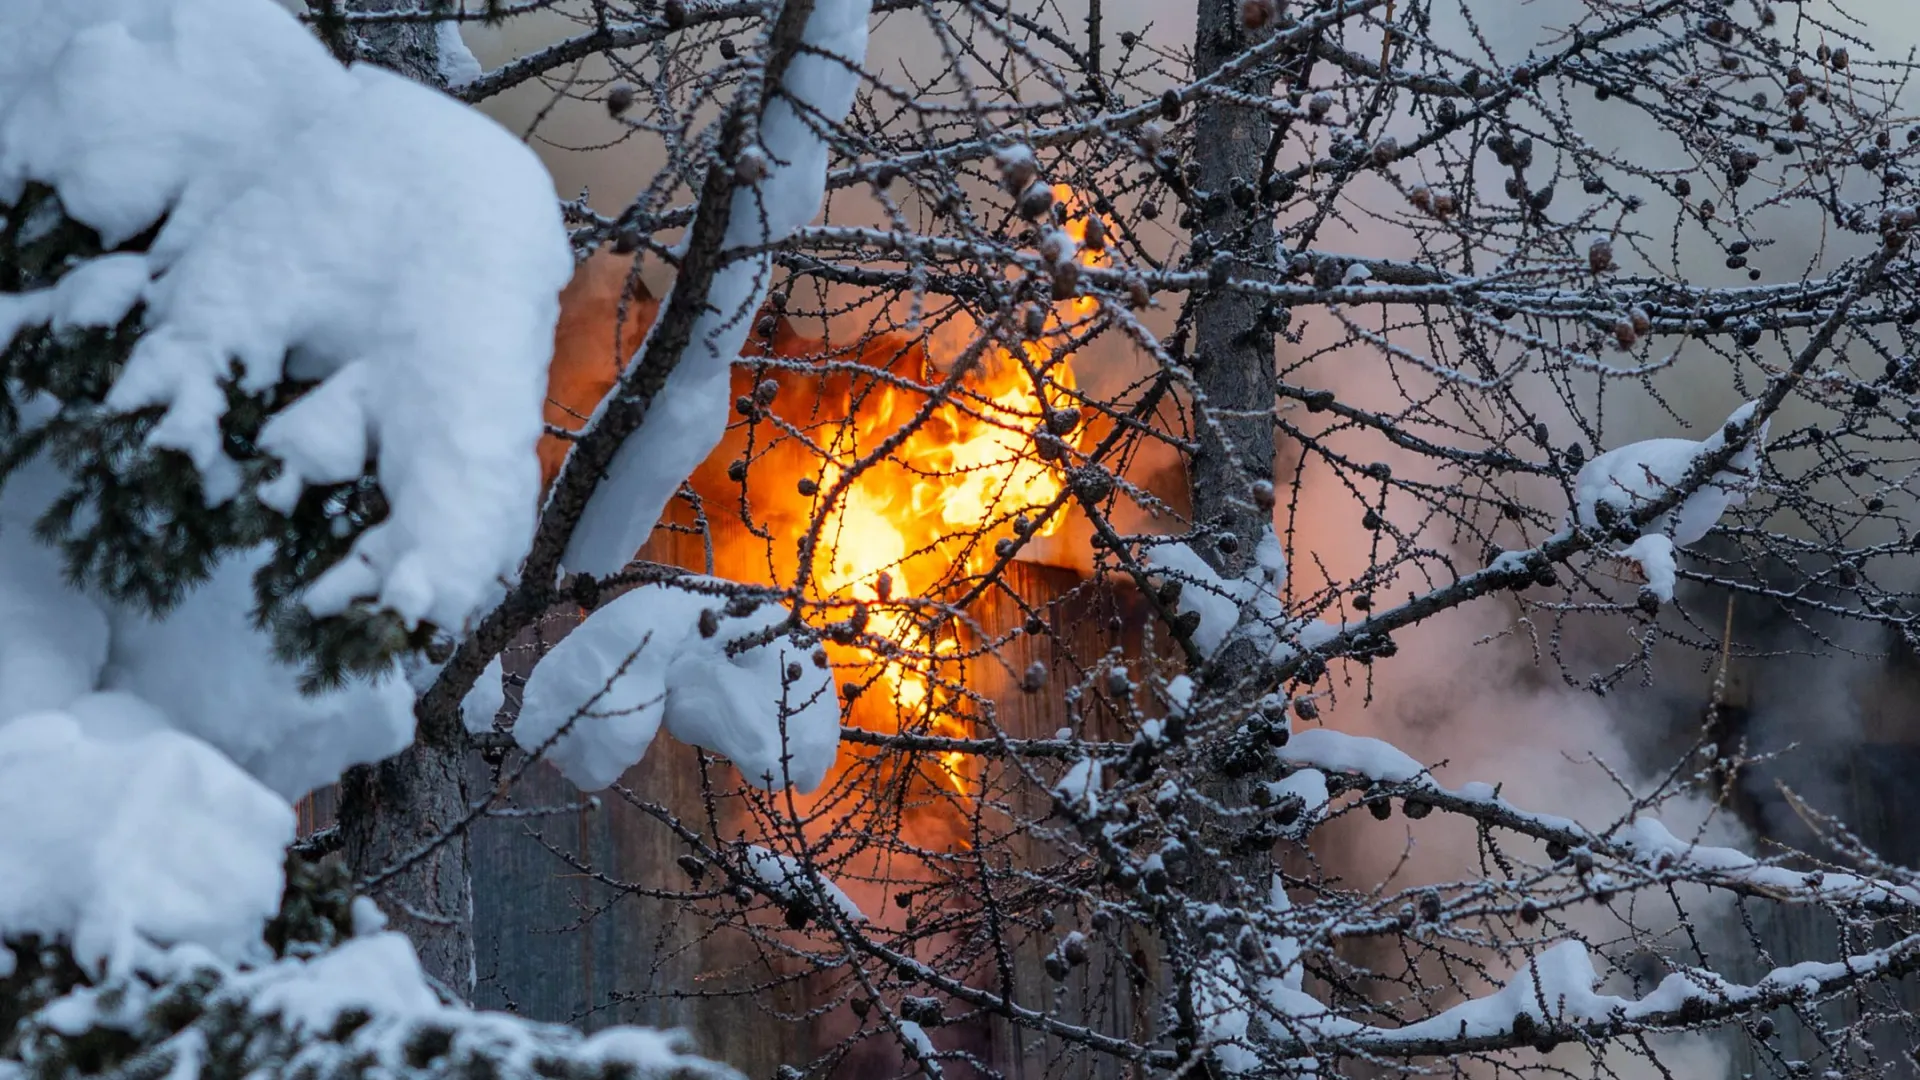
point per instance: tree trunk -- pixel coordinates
(1234, 369)
(409, 48)
(1233, 347)
(388, 813)
(390, 810)
(1233, 364)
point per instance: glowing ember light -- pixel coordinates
(963, 478)
(930, 515)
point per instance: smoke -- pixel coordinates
(1481, 690)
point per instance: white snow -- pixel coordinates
(640, 661)
(687, 419)
(1655, 847)
(219, 83)
(204, 667)
(338, 226)
(1631, 476)
(53, 641)
(1202, 590)
(1282, 951)
(788, 879)
(367, 917)
(1016, 157)
(122, 833)
(23, 310)
(1249, 603)
(378, 973)
(216, 677)
(377, 976)
(126, 746)
(1562, 975)
(1080, 787)
(344, 226)
(1654, 553)
(1240, 1007)
(916, 1037)
(1293, 1011)
(1180, 693)
(1310, 787)
(488, 696)
(458, 65)
(1271, 558)
(1221, 1006)
(101, 292)
(1336, 751)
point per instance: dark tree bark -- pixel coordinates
(1233, 347)
(390, 811)
(1234, 367)
(410, 48)
(1233, 363)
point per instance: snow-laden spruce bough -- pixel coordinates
(195, 189)
(200, 179)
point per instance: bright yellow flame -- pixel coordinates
(1076, 227)
(939, 504)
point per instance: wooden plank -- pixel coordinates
(1083, 624)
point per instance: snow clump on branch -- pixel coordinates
(1621, 481)
(342, 227)
(664, 655)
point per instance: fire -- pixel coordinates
(1079, 223)
(896, 531)
(932, 515)
(928, 517)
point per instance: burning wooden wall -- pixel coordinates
(580, 912)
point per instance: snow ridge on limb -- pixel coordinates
(1218, 607)
(688, 417)
(1553, 994)
(791, 881)
(1640, 847)
(664, 654)
(1626, 478)
(1563, 975)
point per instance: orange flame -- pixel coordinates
(904, 529)
(931, 515)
